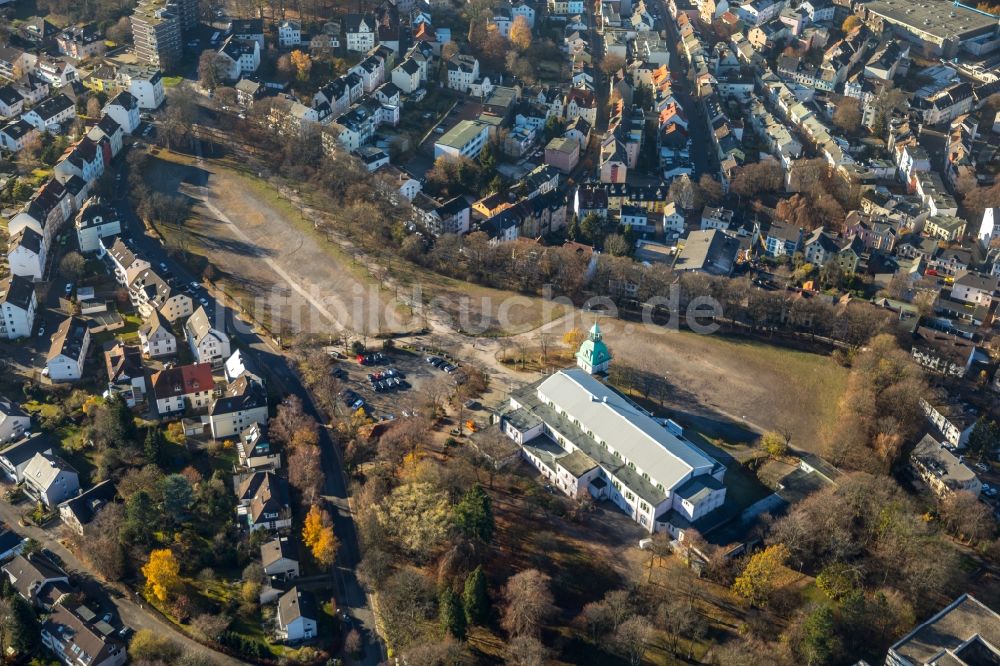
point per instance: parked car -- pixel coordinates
(982, 467)
(69, 288)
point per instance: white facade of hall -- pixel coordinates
(584, 436)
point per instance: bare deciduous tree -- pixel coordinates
(529, 602)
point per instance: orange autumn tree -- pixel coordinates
(162, 574)
(317, 534)
(302, 64)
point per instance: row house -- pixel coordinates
(239, 57)
(86, 159)
(357, 126)
(51, 114)
(449, 217)
(149, 292)
(371, 70)
(182, 387)
(81, 42)
(46, 212)
(18, 303)
(407, 76)
(875, 234)
(242, 404)
(463, 71)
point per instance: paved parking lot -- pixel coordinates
(417, 381)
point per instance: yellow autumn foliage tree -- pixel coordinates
(757, 581)
(302, 64)
(317, 534)
(520, 34)
(573, 338)
(162, 574)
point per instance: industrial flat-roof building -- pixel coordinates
(585, 437)
(938, 25)
(466, 139)
(966, 631)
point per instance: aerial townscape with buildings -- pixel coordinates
(524, 332)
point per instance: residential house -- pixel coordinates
(297, 616)
(81, 42)
(15, 63)
(97, 219)
(289, 34)
(242, 404)
(108, 128)
(563, 153)
(208, 343)
(77, 513)
(34, 576)
(124, 108)
(406, 76)
(126, 374)
(78, 641)
(15, 135)
(27, 254)
(941, 469)
(14, 459)
(581, 103)
(360, 32)
(716, 218)
(372, 72)
(124, 261)
(183, 386)
(14, 421)
(945, 227)
(254, 449)
(942, 353)
(49, 115)
(248, 91)
(85, 160)
(279, 559)
(263, 501)
(156, 337)
(251, 30)
(463, 71)
(241, 56)
(57, 72)
(149, 292)
(974, 288)
(951, 419)
(783, 239)
(68, 350)
(17, 307)
(50, 480)
(144, 82)
(11, 101)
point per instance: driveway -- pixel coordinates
(132, 613)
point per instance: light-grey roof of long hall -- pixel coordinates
(596, 413)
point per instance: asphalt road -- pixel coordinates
(348, 594)
(702, 150)
(125, 610)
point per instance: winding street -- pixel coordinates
(129, 612)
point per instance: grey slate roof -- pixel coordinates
(17, 291)
(294, 604)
